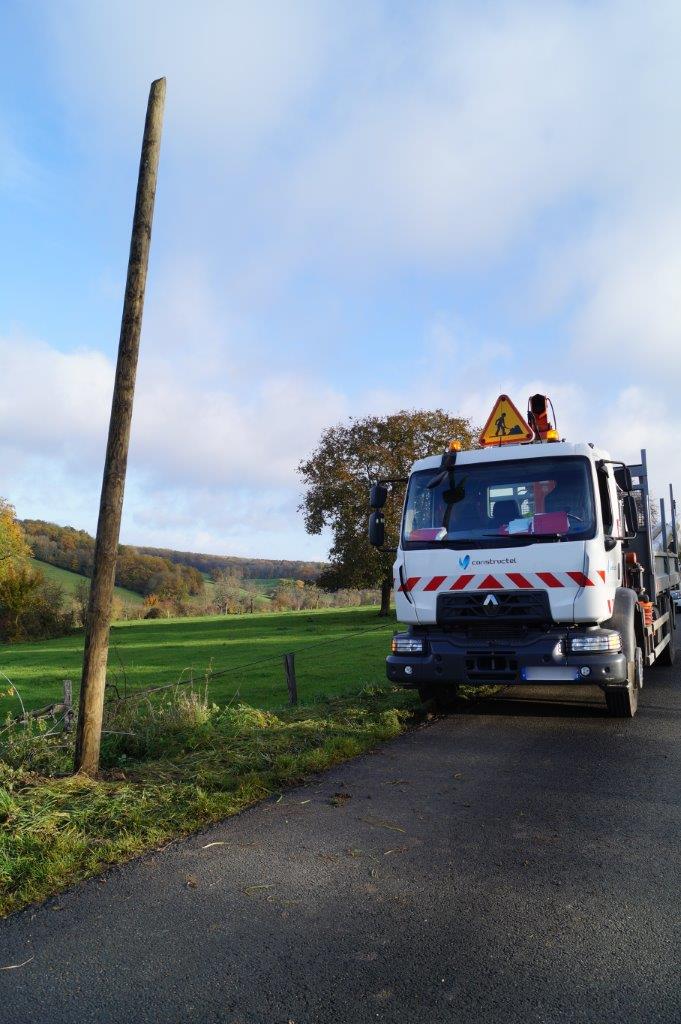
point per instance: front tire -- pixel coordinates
(443, 696)
(623, 702)
(426, 692)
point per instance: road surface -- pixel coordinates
(518, 862)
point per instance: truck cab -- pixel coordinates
(515, 565)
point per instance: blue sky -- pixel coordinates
(361, 208)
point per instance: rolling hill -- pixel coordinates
(70, 580)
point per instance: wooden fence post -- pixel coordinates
(291, 682)
(68, 705)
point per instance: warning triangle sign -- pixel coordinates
(505, 425)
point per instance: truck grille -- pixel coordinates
(491, 668)
(493, 608)
(508, 633)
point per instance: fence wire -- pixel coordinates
(240, 670)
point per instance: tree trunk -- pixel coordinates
(386, 587)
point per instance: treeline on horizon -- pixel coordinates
(247, 568)
(72, 549)
(161, 571)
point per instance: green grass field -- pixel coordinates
(70, 580)
(337, 651)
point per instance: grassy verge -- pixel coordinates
(174, 764)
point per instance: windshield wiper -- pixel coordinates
(525, 538)
(501, 540)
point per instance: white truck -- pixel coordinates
(529, 561)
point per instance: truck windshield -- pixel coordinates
(500, 503)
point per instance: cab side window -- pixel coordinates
(606, 504)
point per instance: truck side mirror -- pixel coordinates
(378, 495)
(377, 529)
(623, 478)
(630, 515)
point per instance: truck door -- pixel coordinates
(611, 526)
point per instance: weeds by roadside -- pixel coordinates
(170, 764)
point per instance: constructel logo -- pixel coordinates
(465, 561)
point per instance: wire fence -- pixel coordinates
(246, 667)
(62, 712)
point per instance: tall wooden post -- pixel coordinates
(96, 652)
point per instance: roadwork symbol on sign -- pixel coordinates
(505, 425)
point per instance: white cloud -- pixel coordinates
(217, 438)
(631, 311)
(211, 464)
(235, 70)
(365, 146)
(436, 141)
(53, 403)
(214, 471)
(57, 404)
(497, 115)
(255, 522)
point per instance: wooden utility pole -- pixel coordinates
(96, 653)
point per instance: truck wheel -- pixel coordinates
(426, 693)
(668, 655)
(446, 698)
(623, 703)
(442, 696)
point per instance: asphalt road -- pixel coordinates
(518, 862)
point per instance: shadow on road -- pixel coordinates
(553, 702)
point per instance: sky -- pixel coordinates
(362, 207)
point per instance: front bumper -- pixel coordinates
(455, 658)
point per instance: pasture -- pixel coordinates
(70, 580)
(337, 651)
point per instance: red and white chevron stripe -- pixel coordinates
(505, 581)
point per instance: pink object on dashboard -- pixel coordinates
(429, 533)
(550, 522)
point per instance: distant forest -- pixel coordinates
(248, 568)
(167, 573)
(74, 550)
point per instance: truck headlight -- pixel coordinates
(601, 643)
(405, 644)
